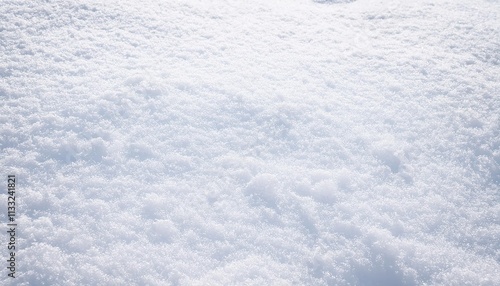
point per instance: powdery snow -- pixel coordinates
(291, 142)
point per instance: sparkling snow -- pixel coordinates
(286, 142)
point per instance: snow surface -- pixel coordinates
(287, 142)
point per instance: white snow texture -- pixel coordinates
(285, 142)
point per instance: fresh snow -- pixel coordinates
(286, 142)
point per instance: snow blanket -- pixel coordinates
(286, 142)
